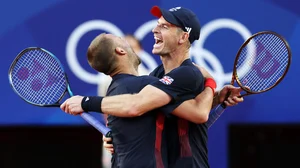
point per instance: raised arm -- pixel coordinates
(197, 110)
(129, 105)
(159, 93)
(126, 105)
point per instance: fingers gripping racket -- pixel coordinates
(260, 64)
(38, 77)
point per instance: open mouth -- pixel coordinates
(158, 42)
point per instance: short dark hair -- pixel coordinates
(101, 55)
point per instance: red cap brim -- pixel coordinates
(155, 11)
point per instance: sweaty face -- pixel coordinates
(166, 37)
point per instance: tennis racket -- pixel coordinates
(260, 64)
(38, 77)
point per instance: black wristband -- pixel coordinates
(92, 103)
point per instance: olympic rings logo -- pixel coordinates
(198, 52)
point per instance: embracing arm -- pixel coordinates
(128, 105)
(196, 110)
(220, 96)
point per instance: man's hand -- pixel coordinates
(72, 105)
(108, 145)
(233, 98)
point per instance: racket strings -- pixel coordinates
(38, 77)
(51, 95)
(262, 62)
(265, 68)
(252, 74)
(283, 61)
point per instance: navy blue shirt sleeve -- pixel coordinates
(147, 80)
(181, 84)
(180, 81)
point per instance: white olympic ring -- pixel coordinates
(73, 42)
(197, 51)
(202, 54)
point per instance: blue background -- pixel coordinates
(49, 24)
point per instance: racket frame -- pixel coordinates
(90, 119)
(234, 73)
(67, 89)
(220, 109)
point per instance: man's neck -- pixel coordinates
(173, 61)
(125, 70)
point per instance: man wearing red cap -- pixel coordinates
(180, 80)
(177, 28)
(186, 141)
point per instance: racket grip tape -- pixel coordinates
(97, 124)
(214, 115)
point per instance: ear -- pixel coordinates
(184, 37)
(120, 51)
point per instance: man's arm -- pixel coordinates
(126, 105)
(159, 93)
(129, 105)
(220, 96)
(196, 110)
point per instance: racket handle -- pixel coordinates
(95, 123)
(214, 115)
